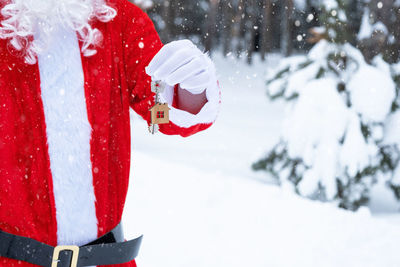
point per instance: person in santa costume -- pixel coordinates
(70, 71)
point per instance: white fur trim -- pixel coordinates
(207, 114)
(68, 135)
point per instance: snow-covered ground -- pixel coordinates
(199, 204)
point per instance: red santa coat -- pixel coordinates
(65, 131)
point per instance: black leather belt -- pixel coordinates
(106, 250)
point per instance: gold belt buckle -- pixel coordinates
(56, 254)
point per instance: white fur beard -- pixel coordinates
(22, 18)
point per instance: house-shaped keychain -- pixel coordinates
(160, 113)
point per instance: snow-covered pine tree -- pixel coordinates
(333, 144)
(378, 36)
(392, 132)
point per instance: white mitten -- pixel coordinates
(181, 62)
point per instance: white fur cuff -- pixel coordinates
(207, 114)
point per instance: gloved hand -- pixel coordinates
(181, 62)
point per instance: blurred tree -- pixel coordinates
(252, 29)
(166, 8)
(211, 25)
(180, 19)
(227, 19)
(266, 30)
(287, 23)
(238, 26)
(383, 36)
(333, 146)
(241, 21)
(264, 26)
(354, 12)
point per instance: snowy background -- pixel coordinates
(302, 167)
(199, 204)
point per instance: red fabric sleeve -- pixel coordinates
(141, 44)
